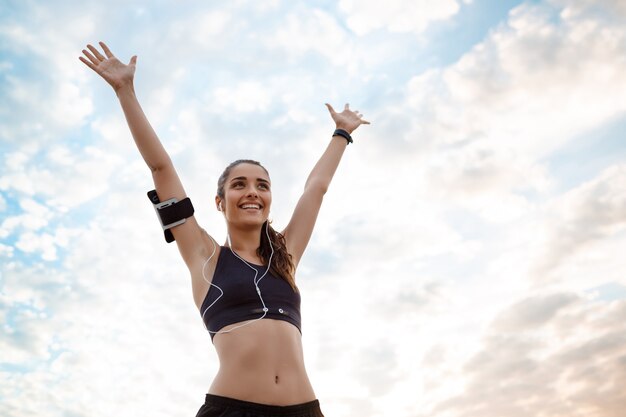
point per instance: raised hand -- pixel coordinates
(347, 120)
(109, 67)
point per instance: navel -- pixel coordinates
(276, 379)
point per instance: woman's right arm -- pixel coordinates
(193, 242)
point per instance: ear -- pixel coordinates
(218, 203)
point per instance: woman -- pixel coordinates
(244, 290)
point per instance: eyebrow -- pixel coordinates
(244, 178)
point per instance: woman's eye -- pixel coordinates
(238, 184)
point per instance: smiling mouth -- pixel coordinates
(250, 207)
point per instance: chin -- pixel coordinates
(250, 223)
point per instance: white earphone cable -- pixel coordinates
(256, 282)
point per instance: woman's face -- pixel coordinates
(247, 195)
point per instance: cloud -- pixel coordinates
(519, 95)
(533, 312)
(47, 106)
(551, 368)
(245, 97)
(588, 214)
(314, 32)
(35, 217)
(44, 243)
(396, 15)
(609, 8)
(198, 29)
(50, 189)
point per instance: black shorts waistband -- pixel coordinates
(308, 408)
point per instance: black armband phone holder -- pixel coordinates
(171, 212)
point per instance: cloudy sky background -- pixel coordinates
(469, 257)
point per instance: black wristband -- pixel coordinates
(343, 134)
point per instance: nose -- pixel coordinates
(252, 192)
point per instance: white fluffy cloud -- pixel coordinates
(314, 31)
(526, 88)
(585, 216)
(45, 107)
(489, 120)
(245, 97)
(396, 15)
(556, 354)
(610, 8)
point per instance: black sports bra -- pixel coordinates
(240, 302)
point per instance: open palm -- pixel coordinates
(114, 72)
(347, 120)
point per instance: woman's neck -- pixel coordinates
(244, 241)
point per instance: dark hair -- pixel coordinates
(282, 264)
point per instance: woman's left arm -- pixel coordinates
(300, 227)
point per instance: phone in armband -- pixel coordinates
(171, 212)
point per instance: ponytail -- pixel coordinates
(282, 263)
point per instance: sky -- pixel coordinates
(468, 259)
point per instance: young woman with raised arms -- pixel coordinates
(245, 290)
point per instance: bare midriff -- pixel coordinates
(262, 362)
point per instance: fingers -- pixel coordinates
(347, 108)
(95, 56)
(93, 59)
(133, 60)
(89, 64)
(96, 53)
(360, 116)
(106, 50)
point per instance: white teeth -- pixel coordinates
(254, 206)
